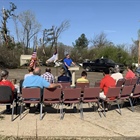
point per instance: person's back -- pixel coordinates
(48, 75)
(117, 75)
(30, 69)
(83, 78)
(106, 82)
(35, 80)
(129, 73)
(63, 77)
(5, 82)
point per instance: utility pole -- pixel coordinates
(139, 48)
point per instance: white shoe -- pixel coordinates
(57, 64)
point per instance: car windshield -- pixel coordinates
(110, 61)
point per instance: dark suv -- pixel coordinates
(101, 64)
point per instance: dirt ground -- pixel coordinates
(112, 127)
(19, 74)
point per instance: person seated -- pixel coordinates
(83, 78)
(116, 75)
(30, 69)
(17, 87)
(63, 77)
(3, 81)
(129, 73)
(48, 76)
(37, 81)
(106, 82)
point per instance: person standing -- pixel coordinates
(67, 63)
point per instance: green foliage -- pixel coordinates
(81, 43)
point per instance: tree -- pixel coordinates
(6, 15)
(100, 41)
(58, 31)
(80, 48)
(30, 28)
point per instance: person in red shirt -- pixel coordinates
(129, 73)
(106, 82)
(4, 81)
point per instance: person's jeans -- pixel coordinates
(67, 72)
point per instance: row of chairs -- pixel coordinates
(90, 94)
(74, 96)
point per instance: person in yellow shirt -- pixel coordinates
(83, 78)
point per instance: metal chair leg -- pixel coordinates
(131, 105)
(40, 111)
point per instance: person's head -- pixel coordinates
(116, 70)
(37, 71)
(105, 71)
(62, 71)
(30, 69)
(84, 74)
(14, 81)
(4, 74)
(129, 67)
(48, 70)
(67, 56)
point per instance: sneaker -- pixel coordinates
(106, 109)
(57, 64)
(100, 109)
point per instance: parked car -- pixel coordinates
(101, 64)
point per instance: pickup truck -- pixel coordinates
(101, 64)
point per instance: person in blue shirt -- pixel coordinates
(36, 80)
(67, 63)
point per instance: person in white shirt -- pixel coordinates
(117, 75)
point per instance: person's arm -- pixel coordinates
(46, 84)
(54, 85)
(66, 65)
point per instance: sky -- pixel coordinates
(118, 19)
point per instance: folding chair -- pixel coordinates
(31, 96)
(73, 96)
(127, 82)
(7, 98)
(120, 82)
(65, 84)
(112, 95)
(91, 95)
(134, 81)
(136, 93)
(82, 86)
(97, 84)
(52, 96)
(126, 93)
